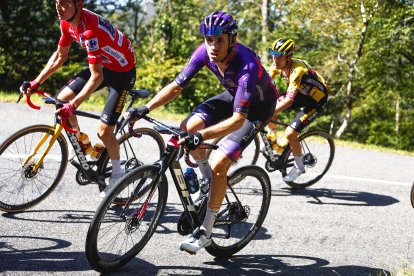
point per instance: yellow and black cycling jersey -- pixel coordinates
(303, 80)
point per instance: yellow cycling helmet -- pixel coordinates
(282, 47)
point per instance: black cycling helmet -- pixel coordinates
(282, 47)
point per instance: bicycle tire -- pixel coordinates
(251, 184)
(412, 195)
(135, 152)
(318, 150)
(110, 243)
(19, 188)
(249, 156)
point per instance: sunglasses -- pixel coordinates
(276, 53)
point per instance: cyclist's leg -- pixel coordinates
(206, 114)
(201, 237)
(230, 150)
(302, 120)
(118, 84)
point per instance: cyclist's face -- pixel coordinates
(65, 9)
(280, 61)
(217, 46)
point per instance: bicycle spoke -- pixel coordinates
(20, 186)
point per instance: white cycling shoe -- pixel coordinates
(197, 241)
(112, 182)
(293, 174)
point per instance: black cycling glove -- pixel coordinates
(193, 140)
(138, 113)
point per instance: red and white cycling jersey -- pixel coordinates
(103, 42)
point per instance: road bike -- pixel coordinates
(34, 159)
(117, 233)
(318, 149)
(412, 195)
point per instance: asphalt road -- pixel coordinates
(357, 220)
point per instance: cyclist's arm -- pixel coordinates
(165, 95)
(91, 85)
(283, 104)
(54, 63)
(172, 90)
(224, 127)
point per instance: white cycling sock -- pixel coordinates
(208, 222)
(204, 168)
(117, 171)
(299, 162)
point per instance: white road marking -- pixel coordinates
(373, 180)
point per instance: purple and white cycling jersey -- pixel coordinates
(245, 78)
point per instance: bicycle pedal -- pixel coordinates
(189, 252)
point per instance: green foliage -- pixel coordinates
(326, 33)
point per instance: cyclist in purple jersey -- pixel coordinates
(242, 110)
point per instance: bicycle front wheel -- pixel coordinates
(243, 211)
(249, 156)
(318, 150)
(22, 187)
(118, 233)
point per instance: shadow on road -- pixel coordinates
(52, 216)
(48, 256)
(338, 197)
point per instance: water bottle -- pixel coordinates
(97, 151)
(85, 143)
(191, 179)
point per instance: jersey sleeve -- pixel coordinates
(65, 38)
(295, 80)
(196, 63)
(246, 88)
(92, 47)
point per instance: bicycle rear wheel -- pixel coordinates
(243, 211)
(118, 233)
(318, 150)
(248, 157)
(20, 187)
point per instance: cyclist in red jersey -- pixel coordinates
(111, 64)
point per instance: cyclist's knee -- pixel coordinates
(220, 164)
(291, 134)
(192, 123)
(66, 94)
(105, 131)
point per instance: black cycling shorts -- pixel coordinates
(118, 84)
(310, 110)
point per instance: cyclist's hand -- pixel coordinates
(66, 111)
(29, 87)
(135, 114)
(193, 140)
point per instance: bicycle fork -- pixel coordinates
(57, 130)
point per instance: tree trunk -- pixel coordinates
(397, 115)
(264, 10)
(351, 73)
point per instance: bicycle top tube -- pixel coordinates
(279, 123)
(176, 133)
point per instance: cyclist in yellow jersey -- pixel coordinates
(307, 90)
